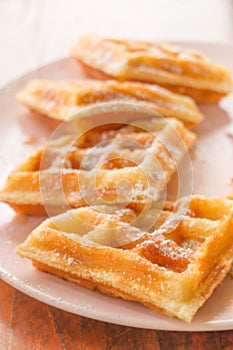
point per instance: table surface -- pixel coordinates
(27, 324)
(33, 33)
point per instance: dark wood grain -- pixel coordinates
(27, 324)
(32, 325)
(6, 304)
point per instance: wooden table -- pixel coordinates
(27, 324)
(34, 32)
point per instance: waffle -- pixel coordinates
(182, 71)
(62, 99)
(231, 197)
(130, 165)
(170, 268)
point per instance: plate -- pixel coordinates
(20, 133)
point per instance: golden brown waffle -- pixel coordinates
(128, 166)
(62, 99)
(231, 197)
(185, 72)
(173, 269)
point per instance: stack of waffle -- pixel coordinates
(116, 232)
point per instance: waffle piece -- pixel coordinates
(62, 99)
(172, 269)
(182, 71)
(128, 166)
(231, 197)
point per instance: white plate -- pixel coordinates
(213, 168)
